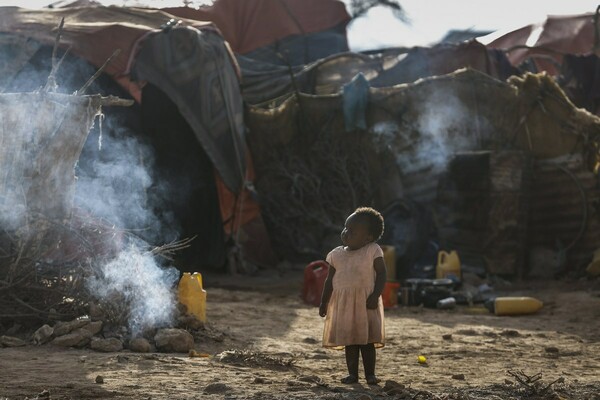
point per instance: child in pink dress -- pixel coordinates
(351, 297)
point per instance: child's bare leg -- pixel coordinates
(369, 357)
(352, 353)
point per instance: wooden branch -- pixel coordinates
(98, 73)
(115, 101)
(51, 81)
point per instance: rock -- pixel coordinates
(216, 388)
(96, 312)
(44, 394)
(259, 381)
(393, 388)
(310, 379)
(139, 345)
(447, 336)
(174, 340)
(62, 328)
(551, 349)
(100, 379)
(122, 359)
(107, 345)
(43, 334)
(9, 341)
(94, 327)
(460, 377)
(80, 337)
(510, 333)
(310, 340)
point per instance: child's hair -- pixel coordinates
(374, 221)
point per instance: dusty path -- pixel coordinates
(273, 327)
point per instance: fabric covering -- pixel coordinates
(250, 24)
(194, 70)
(546, 43)
(348, 320)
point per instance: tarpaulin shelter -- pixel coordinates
(545, 43)
(187, 60)
(312, 170)
(264, 82)
(566, 47)
(283, 32)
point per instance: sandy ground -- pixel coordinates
(272, 328)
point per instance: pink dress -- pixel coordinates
(348, 321)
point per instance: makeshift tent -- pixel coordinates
(545, 44)
(282, 32)
(312, 171)
(186, 61)
(264, 82)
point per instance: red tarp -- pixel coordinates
(547, 42)
(250, 24)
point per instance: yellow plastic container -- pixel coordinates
(516, 305)
(389, 256)
(448, 265)
(191, 294)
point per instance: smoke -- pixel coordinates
(115, 184)
(443, 127)
(135, 279)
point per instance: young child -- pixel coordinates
(351, 297)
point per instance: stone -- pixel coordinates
(43, 334)
(447, 336)
(216, 388)
(310, 379)
(259, 381)
(460, 377)
(139, 345)
(94, 327)
(310, 340)
(100, 379)
(62, 328)
(96, 312)
(551, 349)
(393, 388)
(173, 340)
(10, 341)
(80, 337)
(110, 345)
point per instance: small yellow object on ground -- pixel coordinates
(422, 360)
(194, 353)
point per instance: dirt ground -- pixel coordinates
(278, 355)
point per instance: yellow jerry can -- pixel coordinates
(516, 305)
(191, 294)
(448, 266)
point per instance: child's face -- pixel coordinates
(356, 233)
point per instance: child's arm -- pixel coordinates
(380, 279)
(327, 290)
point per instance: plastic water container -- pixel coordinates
(390, 294)
(389, 257)
(448, 266)
(315, 275)
(191, 294)
(514, 305)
